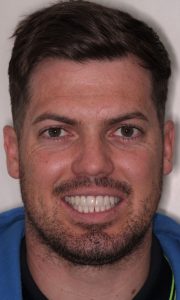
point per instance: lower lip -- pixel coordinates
(95, 217)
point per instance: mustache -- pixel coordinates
(73, 184)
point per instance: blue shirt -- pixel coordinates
(12, 231)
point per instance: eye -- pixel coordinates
(54, 132)
(128, 132)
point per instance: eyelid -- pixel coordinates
(130, 125)
(140, 131)
(58, 127)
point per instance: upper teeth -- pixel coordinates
(87, 204)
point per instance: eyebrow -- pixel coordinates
(128, 116)
(73, 122)
(54, 117)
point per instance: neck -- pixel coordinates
(59, 279)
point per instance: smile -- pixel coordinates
(91, 204)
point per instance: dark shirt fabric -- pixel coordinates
(158, 285)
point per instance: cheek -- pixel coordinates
(143, 172)
(141, 168)
(45, 167)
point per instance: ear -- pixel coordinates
(168, 147)
(12, 153)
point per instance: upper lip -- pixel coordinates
(94, 192)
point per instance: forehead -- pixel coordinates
(90, 85)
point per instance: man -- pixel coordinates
(90, 146)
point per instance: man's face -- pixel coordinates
(91, 157)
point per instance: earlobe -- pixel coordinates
(168, 147)
(12, 153)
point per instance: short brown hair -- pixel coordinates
(79, 31)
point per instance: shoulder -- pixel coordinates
(11, 234)
(11, 230)
(166, 226)
(11, 219)
(168, 232)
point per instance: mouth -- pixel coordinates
(92, 204)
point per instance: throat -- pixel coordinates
(59, 279)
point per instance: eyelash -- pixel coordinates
(46, 133)
(139, 130)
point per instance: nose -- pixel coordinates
(93, 159)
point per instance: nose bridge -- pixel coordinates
(93, 157)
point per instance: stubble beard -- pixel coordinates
(95, 247)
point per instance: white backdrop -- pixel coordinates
(162, 15)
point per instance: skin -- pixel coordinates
(91, 94)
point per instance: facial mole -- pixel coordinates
(133, 292)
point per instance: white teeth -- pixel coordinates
(90, 204)
(97, 209)
(76, 200)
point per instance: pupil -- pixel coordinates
(127, 131)
(54, 132)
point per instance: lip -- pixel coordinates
(94, 217)
(94, 191)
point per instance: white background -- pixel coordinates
(163, 16)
